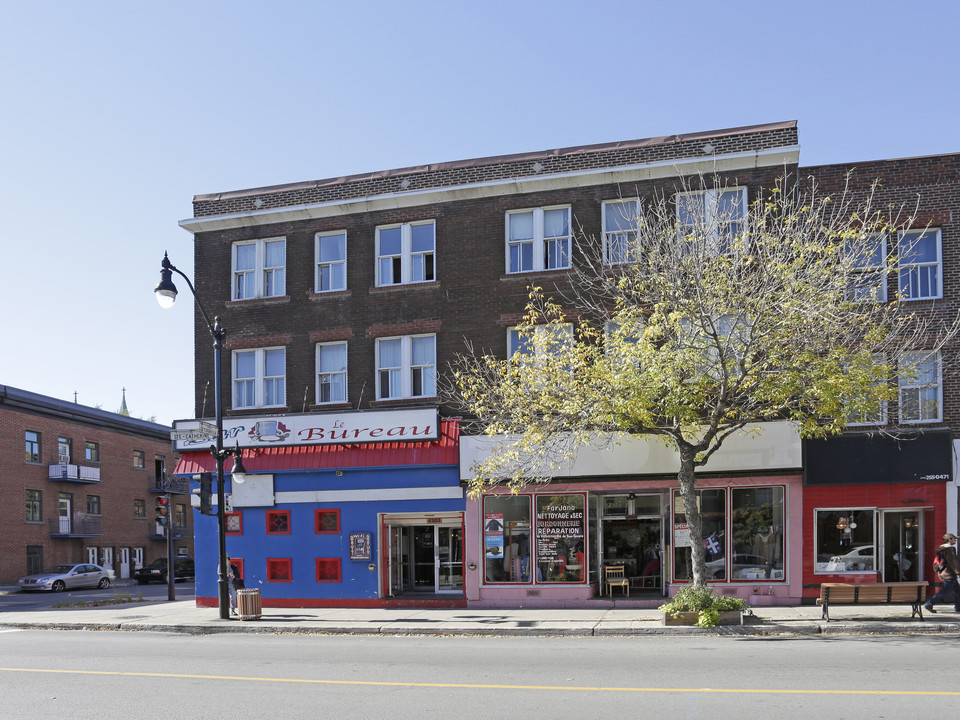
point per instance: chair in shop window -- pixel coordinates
(614, 576)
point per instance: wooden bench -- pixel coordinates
(892, 593)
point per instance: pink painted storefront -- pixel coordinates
(619, 506)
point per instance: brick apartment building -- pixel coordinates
(344, 299)
(78, 484)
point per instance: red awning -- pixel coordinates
(443, 451)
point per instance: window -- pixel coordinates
(621, 221)
(64, 449)
(844, 541)
(34, 559)
(259, 268)
(331, 253)
(405, 253)
(32, 443)
(919, 259)
(865, 409)
(542, 340)
(93, 505)
(180, 515)
(234, 522)
(620, 339)
(139, 459)
(160, 466)
(326, 521)
(92, 451)
(713, 518)
(331, 373)
(139, 508)
(278, 522)
(920, 390)
(868, 282)
(406, 367)
(711, 219)
(259, 378)
(538, 239)
(507, 540)
(757, 524)
(33, 506)
(328, 570)
(279, 570)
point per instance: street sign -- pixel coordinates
(194, 431)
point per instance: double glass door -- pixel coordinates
(425, 558)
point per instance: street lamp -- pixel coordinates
(166, 295)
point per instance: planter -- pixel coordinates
(732, 617)
(761, 599)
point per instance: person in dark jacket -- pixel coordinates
(236, 583)
(949, 574)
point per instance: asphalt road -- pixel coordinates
(22, 601)
(106, 675)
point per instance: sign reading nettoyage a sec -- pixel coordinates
(348, 427)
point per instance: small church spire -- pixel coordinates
(123, 405)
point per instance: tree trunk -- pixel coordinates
(692, 512)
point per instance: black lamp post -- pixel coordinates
(166, 295)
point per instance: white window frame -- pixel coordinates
(408, 257)
(917, 385)
(513, 338)
(262, 275)
(259, 381)
(863, 266)
(631, 253)
(404, 376)
(538, 242)
(908, 275)
(711, 223)
(338, 373)
(329, 265)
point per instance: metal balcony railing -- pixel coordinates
(74, 527)
(68, 472)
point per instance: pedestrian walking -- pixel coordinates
(947, 565)
(236, 583)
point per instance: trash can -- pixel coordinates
(248, 604)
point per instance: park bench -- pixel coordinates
(892, 593)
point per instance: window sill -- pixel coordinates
(428, 285)
(405, 401)
(275, 300)
(328, 294)
(555, 272)
(272, 409)
(331, 406)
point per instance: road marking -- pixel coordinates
(485, 686)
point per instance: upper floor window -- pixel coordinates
(406, 367)
(139, 459)
(920, 389)
(331, 253)
(32, 442)
(92, 451)
(868, 281)
(331, 372)
(33, 505)
(919, 259)
(405, 253)
(259, 378)
(541, 340)
(863, 410)
(621, 222)
(64, 449)
(259, 268)
(538, 239)
(93, 505)
(712, 218)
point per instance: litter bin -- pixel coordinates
(248, 604)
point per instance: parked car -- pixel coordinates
(860, 558)
(68, 577)
(744, 566)
(157, 571)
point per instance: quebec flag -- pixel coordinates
(712, 544)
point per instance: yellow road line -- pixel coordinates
(481, 686)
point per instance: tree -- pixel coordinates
(698, 318)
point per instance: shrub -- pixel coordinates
(705, 602)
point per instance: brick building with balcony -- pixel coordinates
(345, 299)
(79, 484)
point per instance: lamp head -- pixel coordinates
(166, 291)
(239, 472)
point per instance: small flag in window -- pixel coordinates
(712, 545)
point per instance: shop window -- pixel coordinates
(560, 533)
(328, 570)
(757, 525)
(614, 505)
(713, 524)
(326, 521)
(278, 522)
(279, 570)
(506, 539)
(234, 523)
(844, 540)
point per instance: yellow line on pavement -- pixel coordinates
(485, 686)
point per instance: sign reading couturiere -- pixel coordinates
(348, 427)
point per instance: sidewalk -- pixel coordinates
(184, 617)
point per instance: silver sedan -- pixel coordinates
(67, 577)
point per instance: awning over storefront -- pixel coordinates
(858, 459)
(443, 451)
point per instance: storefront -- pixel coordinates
(876, 506)
(556, 544)
(345, 509)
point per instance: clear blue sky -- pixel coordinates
(116, 113)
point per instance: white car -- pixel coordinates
(858, 559)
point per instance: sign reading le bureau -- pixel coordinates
(320, 429)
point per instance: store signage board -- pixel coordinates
(421, 424)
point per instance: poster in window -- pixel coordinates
(560, 534)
